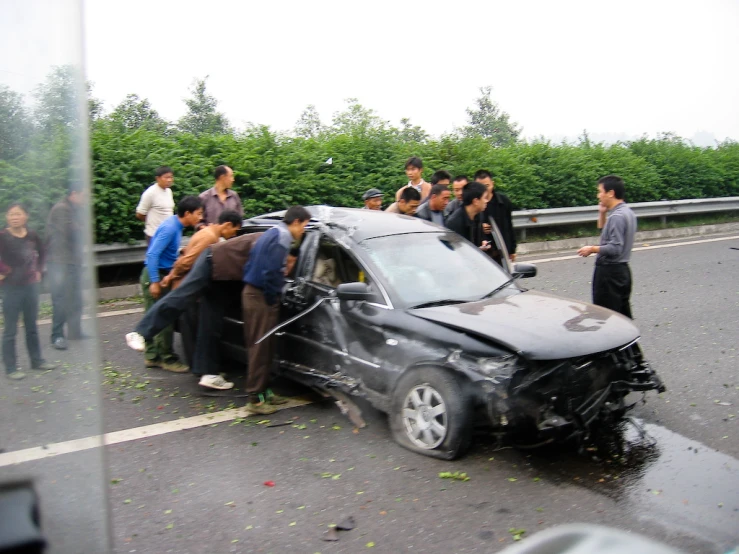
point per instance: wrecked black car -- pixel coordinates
(437, 335)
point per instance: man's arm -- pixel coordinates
(144, 206)
(273, 272)
(614, 231)
(602, 213)
(199, 242)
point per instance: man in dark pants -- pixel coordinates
(612, 275)
(500, 209)
(64, 267)
(160, 257)
(466, 221)
(264, 277)
(220, 262)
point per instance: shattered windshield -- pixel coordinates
(432, 267)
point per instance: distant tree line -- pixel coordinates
(277, 169)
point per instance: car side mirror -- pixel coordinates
(524, 270)
(354, 291)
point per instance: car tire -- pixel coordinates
(429, 413)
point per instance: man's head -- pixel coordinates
(413, 168)
(164, 176)
(410, 198)
(486, 178)
(441, 177)
(439, 197)
(611, 190)
(224, 176)
(372, 199)
(190, 211)
(473, 197)
(76, 194)
(458, 184)
(230, 223)
(296, 218)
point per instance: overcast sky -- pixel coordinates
(618, 69)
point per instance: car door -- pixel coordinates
(323, 343)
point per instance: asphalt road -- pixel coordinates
(203, 489)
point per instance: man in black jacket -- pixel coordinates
(466, 221)
(500, 209)
(433, 210)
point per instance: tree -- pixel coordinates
(412, 133)
(57, 100)
(16, 126)
(134, 113)
(309, 125)
(356, 119)
(488, 121)
(202, 117)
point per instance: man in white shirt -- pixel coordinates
(157, 203)
(413, 170)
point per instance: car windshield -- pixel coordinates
(424, 268)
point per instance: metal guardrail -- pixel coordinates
(121, 254)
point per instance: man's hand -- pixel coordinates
(485, 245)
(166, 280)
(601, 209)
(155, 290)
(512, 257)
(487, 228)
(585, 251)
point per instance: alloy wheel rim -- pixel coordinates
(425, 417)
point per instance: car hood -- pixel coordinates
(537, 325)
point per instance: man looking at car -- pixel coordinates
(465, 221)
(500, 209)
(458, 184)
(372, 199)
(612, 275)
(264, 278)
(410, 198)
(433, 210)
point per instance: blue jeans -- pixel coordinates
(17, 300)
(65, 282)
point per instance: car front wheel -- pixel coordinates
(429, 414)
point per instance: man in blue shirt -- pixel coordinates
(264, 277)
(160, 257)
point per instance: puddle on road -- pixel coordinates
(679, 483)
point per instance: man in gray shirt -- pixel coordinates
(612, 276)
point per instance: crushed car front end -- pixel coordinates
(558, 400)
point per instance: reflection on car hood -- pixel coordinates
(537, 325)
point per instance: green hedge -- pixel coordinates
(274, 171)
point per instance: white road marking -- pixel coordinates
(635, 249)
(100, 314)
(126, 435)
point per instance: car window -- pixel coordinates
(334, 266)
(429, 267)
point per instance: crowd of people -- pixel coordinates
(176, 283)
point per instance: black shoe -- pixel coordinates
(59, 343)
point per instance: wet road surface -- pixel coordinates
(202, 489)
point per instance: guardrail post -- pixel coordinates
(663, 220)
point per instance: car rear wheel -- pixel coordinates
(429, 414)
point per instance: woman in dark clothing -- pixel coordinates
(21, 261)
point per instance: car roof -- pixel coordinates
(359, 224)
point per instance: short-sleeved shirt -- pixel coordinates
(157, 204)
(213, 207)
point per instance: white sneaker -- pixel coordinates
(136, 341)
(215, 382)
